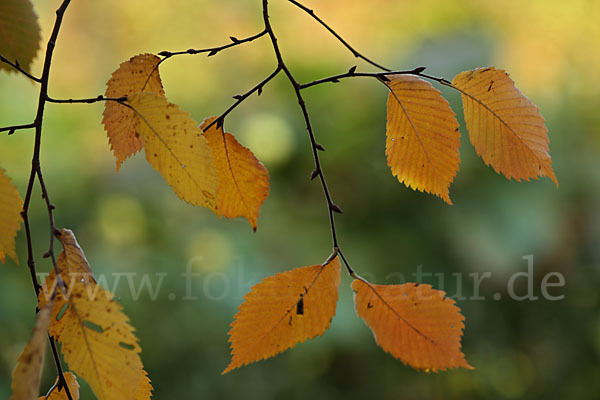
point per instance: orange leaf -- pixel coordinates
(414, 323)
(10, 216)
(283, 310)
(243, 179)
(26, 375)
(505, 127)
(19, 33)
(73, 385)
(139, 74)
(422, 136)
(176, 148)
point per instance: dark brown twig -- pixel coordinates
(16, 66)
(86, 101)
(337, 36)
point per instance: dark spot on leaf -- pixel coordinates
(369, 305)
(300, 306)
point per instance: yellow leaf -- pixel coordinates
(96, 338)
(422, 136)
(283, 310)
(414, 323)
(26, 375)
(10, 216)
(505, 127)
(243, 179)
(19, 33)
(56, 394)
(139, 74)
(176, 148)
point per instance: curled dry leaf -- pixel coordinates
(10, 216)
(505, 127)
(176, 148)
(19, 33)
(26, 375)
(61, 394)
(422, 136)
(243, 179)
(96, 338)
(282, 311)
(414, 323)
(139, 74)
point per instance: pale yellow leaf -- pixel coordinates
(61, 394)
(19, 33)
(10, 216)
(422, 136)
(176, 148)
(505, 127)
(139, 74)
(96, 338)
(26, 375)
(414, 323)
(243, 179)
(282, 311)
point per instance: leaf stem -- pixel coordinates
(16, 66)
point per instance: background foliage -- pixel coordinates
(132, 222)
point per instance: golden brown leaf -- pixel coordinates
(10, 216)
(19, 33)
(414, 323)
(505, 127)
(139, 74)
(243, 179)
(283, 310)
(97, 340)
(422, 136)
(26, 375)
(176, 148)
(57, 394)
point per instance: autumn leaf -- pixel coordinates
(10, 216)
(19, 33)
(243, 179)
(412, 322)
(176, 148)
(26, 375)
(139, 74)
(505, 127)
(283, 310)
(97, 340)
(422, 136)
(56, 394)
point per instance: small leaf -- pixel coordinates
(176, 148)
(139, 74)
(19, 33)
(505, 127)
(414, 323)
(92, 330)
(243, 179)
(268, 321)
(26, 375)
(10, 216)
(422, 136)
(61, 394)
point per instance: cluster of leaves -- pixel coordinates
(207, 167)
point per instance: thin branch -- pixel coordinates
(88, 100)
(318, 171)
(241, 97)
(36, 172)
(13, 128)
(337, 36)
(212, 50)
(379, 75)
(16, 66)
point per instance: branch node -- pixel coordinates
(418, 70)
(335, 208)
(238, 97)
(212, 53)
(234, 39)
(46, 254)
(352, 70)
(314, 174)
(319, 147)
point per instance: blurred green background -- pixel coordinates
(131, 222)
